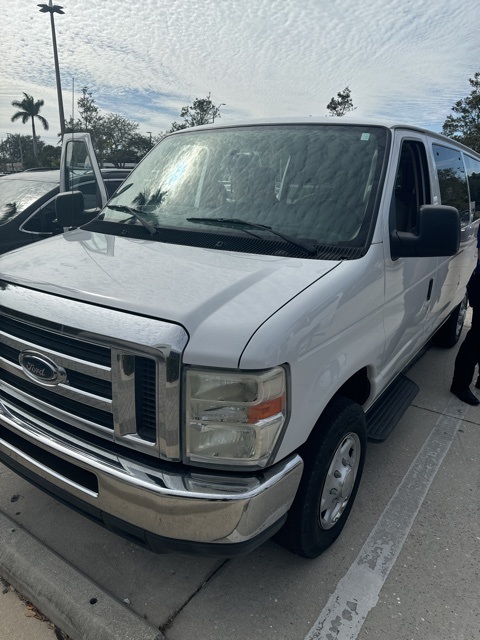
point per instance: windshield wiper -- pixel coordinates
(136, 214)
(236, 222)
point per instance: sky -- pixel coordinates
(403, 60)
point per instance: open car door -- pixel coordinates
(79, 170)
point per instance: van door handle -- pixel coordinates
(430, 287)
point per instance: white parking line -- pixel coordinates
(358, 591)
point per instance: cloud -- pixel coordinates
(407, 61)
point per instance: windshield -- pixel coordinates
(314, 183)
(16, 195)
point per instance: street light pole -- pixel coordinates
(51, 9)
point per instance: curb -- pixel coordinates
(73, 602)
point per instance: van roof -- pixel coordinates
(331, 120)
(344, 120)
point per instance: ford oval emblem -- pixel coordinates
(41, 369)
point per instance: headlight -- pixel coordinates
(234, 418)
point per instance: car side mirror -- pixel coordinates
(70, 210)
(438, 234)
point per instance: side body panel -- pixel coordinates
(374, 314)
(328, 332)
(420, 293)
(454, 271)
(408, 281)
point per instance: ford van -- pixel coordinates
(201, 366)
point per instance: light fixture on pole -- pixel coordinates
(51, 9)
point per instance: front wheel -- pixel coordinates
(333, 457)
(449, 333)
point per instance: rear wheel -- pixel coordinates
(334, 457)
(449, 333)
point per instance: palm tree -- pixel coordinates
(30, 109)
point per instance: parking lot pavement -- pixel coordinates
(405, 568)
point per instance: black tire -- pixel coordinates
(449, 333)
(334, 456)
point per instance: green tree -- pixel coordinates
(89, 112)
(50, 156)
(29, 110)
(156, 139)
(16, 152)
(115, 139)
(340, 105)
(89, 115)
(120, 142)
(464, 124)
(7, 155)
(202, 111)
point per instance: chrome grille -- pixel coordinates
(81, 410)
(115, 387)
(27, 333)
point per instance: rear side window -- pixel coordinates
(452, 180)
(473, 173)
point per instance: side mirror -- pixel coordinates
(438, 234)
(70, 211)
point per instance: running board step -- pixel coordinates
(386, 412)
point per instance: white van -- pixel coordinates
(200, 367)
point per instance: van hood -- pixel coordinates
(219, 297)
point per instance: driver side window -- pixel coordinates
(412, 188)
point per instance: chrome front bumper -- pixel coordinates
(164, 506)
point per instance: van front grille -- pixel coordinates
(99, 371)
(93, 353)
(82, 410)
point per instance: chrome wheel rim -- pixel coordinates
(340, 480)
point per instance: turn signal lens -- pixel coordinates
(266, 409)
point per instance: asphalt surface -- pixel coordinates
(406, 566)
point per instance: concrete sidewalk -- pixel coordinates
(20, 622)
(72, 601)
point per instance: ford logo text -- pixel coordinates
(41, 369)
